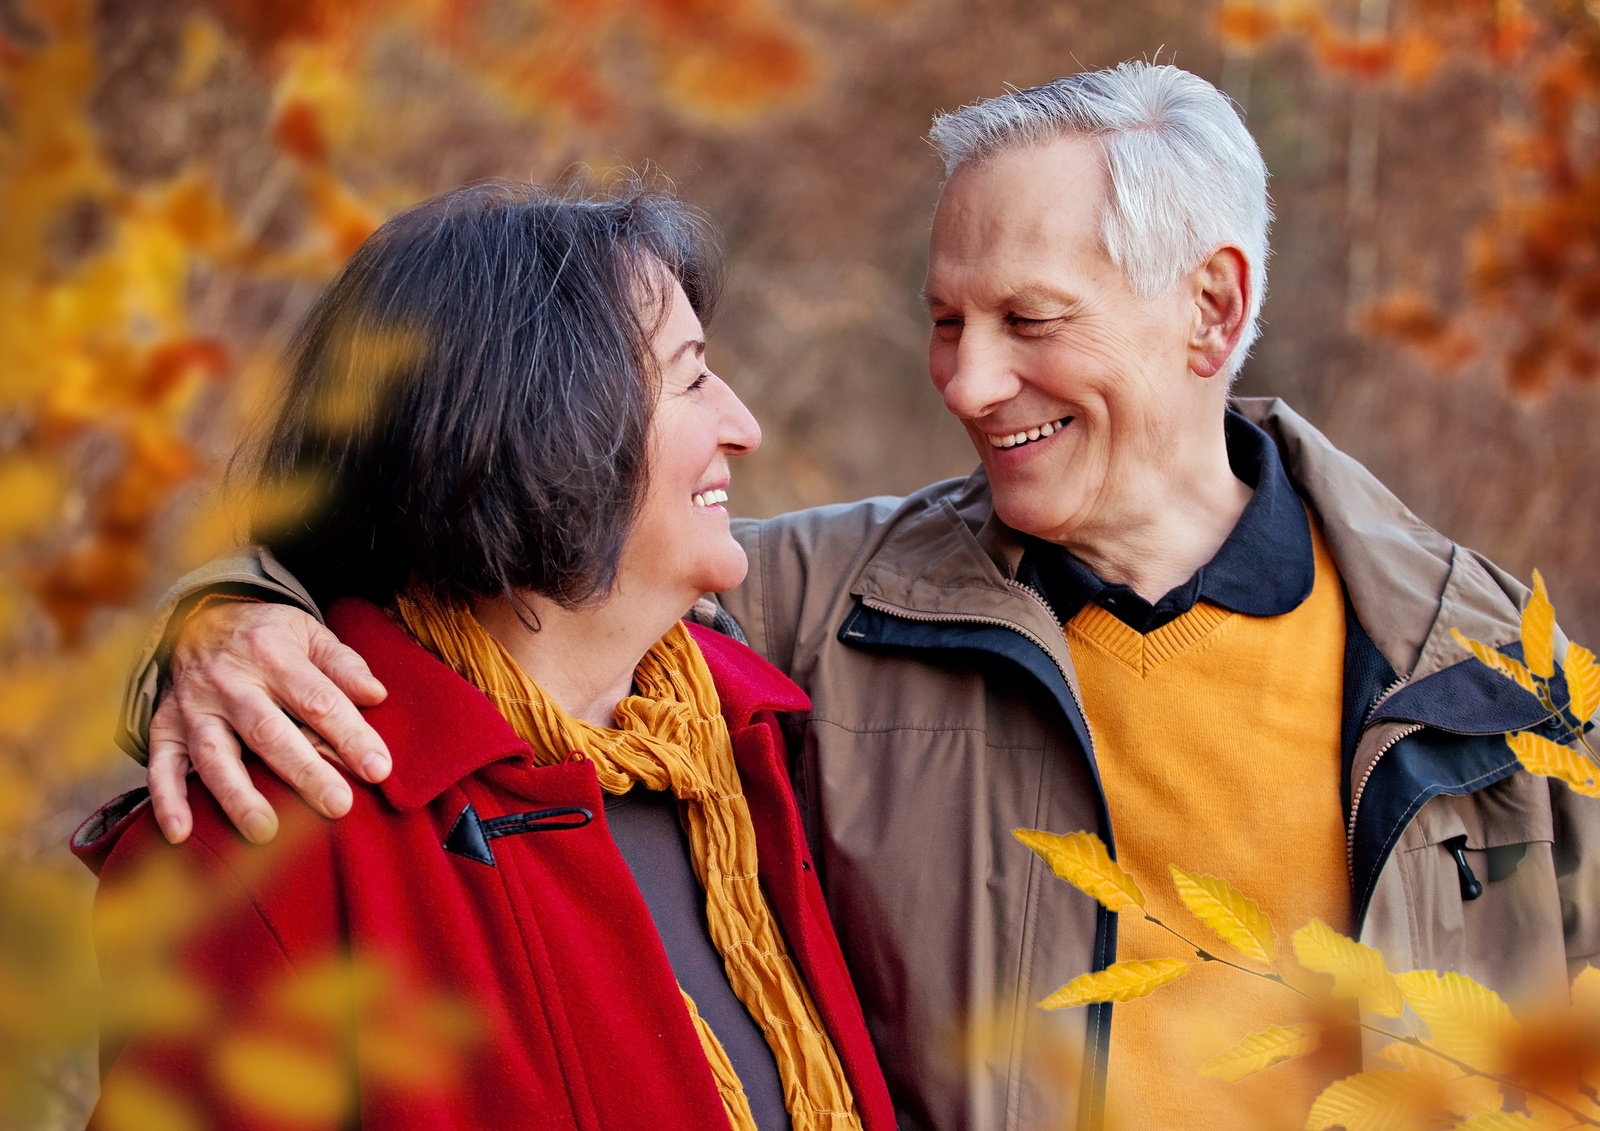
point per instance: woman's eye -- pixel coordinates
(699, 382)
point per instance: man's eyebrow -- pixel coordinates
(1033, 293)
(1040, 292)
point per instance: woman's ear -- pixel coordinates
(1221, 289)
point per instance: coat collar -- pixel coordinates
(440, 729)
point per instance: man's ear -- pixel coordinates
(1221, 289)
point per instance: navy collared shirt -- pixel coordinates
(1266, 567)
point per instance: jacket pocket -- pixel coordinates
(1479, 875)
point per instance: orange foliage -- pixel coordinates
(1535, 261)
(115, 372)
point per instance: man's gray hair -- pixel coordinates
(1186, 176)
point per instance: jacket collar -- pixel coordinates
(440, 729)
(1408, 584)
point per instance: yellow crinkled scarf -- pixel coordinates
(671, 735)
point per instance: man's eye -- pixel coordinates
(945, 327)
(1032, 326)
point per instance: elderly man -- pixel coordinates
(1195, 629)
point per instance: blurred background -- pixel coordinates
(178, 178)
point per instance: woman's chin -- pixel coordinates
(726, 572)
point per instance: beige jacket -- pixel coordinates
(946, 714)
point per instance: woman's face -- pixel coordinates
(681, 539)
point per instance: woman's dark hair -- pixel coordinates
(469, 402)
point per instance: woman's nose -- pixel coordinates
(739, 432)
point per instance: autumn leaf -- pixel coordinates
(1503, 1121)
(1368, 1101)
(1231, 915)
(1121, 981)
(1539, 631)
(130, 1103)
(1262, 1050)
(1456, 1091)
(1539, 755)
(1358, 970)
(1082, 860)
(1583, 682)
(1465, 1020)
(284, 1081)
(1512, 669)
(201, 49)
(1246, 26)
(1586, 990)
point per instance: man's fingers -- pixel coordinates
(167, 773)
(321, 702)
(217, 757)
(344, 665)
(274, 738)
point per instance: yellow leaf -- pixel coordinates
(1503, 1121)
(1583, 682)
(1369, 1101)
(1461, 1094)
(1547, 1116)
(1586, 990)
(129, 1103)
(1082, 860)
(286, 1082)
(1539, 631)
(1358, 970)
(33, 491)
(1465, 1020)
(1539, 755)
(1121, 981)
(1499, 661)
(202, 47)
(1262, 1050)
(1234, 918)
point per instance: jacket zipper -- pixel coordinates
(1361, 786)
(997, 622)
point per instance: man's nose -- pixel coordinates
(981, 375)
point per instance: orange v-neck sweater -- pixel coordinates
(1217, 740)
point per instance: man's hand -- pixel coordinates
(245, 670)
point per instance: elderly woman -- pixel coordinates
(582, 898)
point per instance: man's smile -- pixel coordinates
(1028, 435)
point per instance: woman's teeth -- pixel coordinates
(710, 498)
(1030, 435)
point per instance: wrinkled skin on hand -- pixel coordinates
(270, 678)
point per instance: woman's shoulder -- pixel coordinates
(746, 683)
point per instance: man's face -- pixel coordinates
(1076, 392)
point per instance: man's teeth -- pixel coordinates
(1039, 433)
(710, 498)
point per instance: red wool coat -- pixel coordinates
(420, 965)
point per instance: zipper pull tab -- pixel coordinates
(1470, 887)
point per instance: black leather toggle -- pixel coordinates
(471, 834)
(1471, 886)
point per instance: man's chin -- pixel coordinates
(1033, 512)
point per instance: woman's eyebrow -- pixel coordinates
(698, 345)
